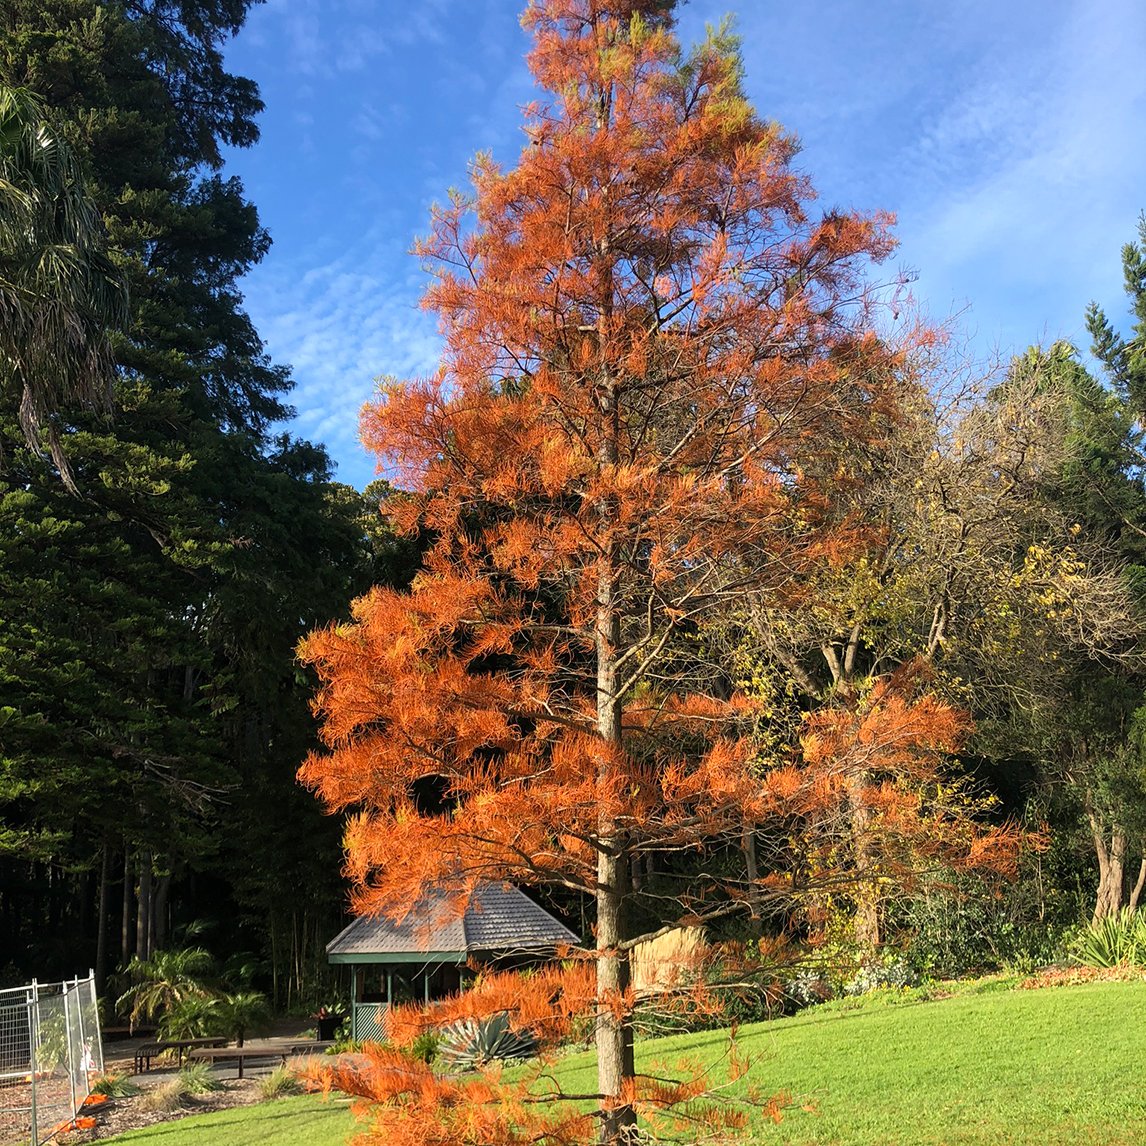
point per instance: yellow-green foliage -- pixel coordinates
(281, 1082)
(1116, 940)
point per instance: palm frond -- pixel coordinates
(60, 295)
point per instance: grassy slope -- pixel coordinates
(1026, 1066)
(1053, 1066)
(302, 1121)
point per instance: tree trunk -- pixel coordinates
(1111, 866)
(276, 998)
(1136, 893)
(614, 1028)
(614, 1034)
(159, 912)
(125, 923)
(755, 903)
(866, 893)
(143, 907)
(101, 919)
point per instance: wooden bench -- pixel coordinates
(145, 1052)
(148, 1051)
(280, 1050)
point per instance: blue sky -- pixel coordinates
(1007, 138)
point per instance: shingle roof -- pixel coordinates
(498, 917)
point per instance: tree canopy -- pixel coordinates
(153, 713)
(661, 370)
(60, 294)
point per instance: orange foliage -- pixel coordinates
(871, 807)
(654, 358)
(544, 1003)
(411, 1104)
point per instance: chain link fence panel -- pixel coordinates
(50, 1052)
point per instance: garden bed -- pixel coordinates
(119, 1115)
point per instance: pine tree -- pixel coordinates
(148, 629)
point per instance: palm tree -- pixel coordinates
(240, 1012)
(60, 295)
(162, 983)
(191, 1018)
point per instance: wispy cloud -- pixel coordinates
(326, 37)
(1033, 180)
(341, 324)
(1007, 139)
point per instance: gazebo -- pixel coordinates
(425, 956)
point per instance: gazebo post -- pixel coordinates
(354, 1000)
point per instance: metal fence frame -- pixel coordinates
(50, 1051)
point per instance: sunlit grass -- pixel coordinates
(301, 1121)
(992, 1065)
(1054, 1066)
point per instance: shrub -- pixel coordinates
(190, 1018)
(241, 969)
(161, 983)
(470, 1043)
(169, 1095)
(282, 1081)
(891, 972)
(198, 1079)
(114, 1086)
(751, 1003)
(964, 924)
(1116, 940)
(240, 1012)
(806, 988)
(52, 1047)
(425, 1046)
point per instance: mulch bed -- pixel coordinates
(1073, 976)
(53, 1094)
(118, 1115)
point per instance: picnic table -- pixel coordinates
(281, 1049)
(148, 1051)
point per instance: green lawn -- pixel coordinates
(1057, 1066)
(302, 1121)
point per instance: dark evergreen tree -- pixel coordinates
(1125, 359)
(153, 714)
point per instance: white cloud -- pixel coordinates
(1045, 177)
(340, 325)
(324, 38)
(1008, 140)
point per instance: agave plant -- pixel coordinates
(1115, 940)
(470, 1043)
